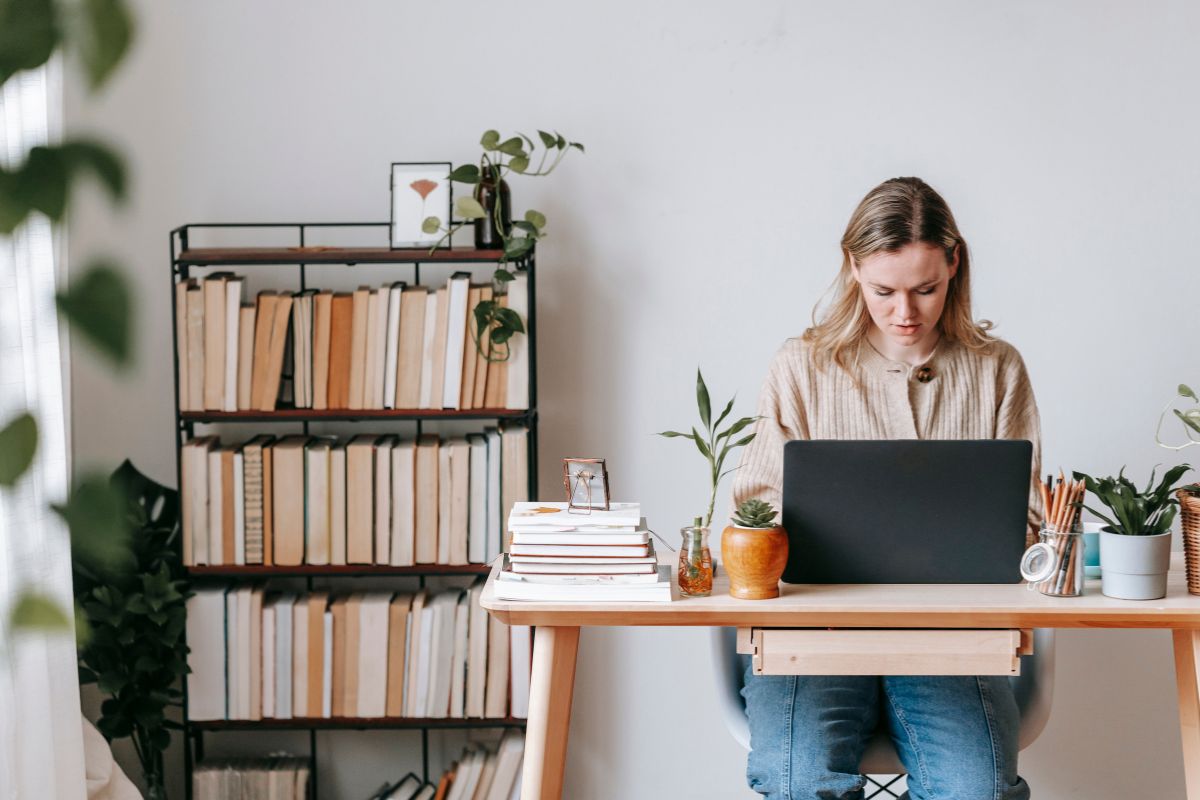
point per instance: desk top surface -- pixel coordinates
(875, 606)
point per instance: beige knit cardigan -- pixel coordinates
(968, 394)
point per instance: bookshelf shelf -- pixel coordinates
(353, 415)
(355, 723)
(290, 256)
(351, 570)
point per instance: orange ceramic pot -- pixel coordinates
(754, 558)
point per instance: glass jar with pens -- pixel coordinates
(1054, 566)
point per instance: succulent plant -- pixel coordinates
(755, 514)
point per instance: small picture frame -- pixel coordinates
(419, 190)
(586, 484)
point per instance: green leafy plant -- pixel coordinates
(136, 614)
(755, 514)
(494, 325)
(1133, 513)
(715, 445)
(1189, 417)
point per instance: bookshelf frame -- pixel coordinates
(185, 257)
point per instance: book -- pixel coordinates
(477, 655)
(514, 485)
(181, 343)
(410, 350)
(392, 344)
(383, 499)
(284, 605)
(481, 361)
(287, 488)
(609, 550)
(495, 525)
(239, 508)
(317, 502)
(459, 500)
(517, 394)
(194, 499)
(340, 338)
(337, 691)
(554, 514)
(588, 536)
(376, 348)
(591, 560)
(582, 579)
(457, 293)
(206, 633)
(195, 363)
(657, 592)
(327, 665)
(233, 317)
(581, 567)
(214, 498)
(423, 655)
(373, 655)
(360, 506)
(477, 500)
(416, 619)
(359, 335)
(403, 533)
(214, 341)
(322, 340)
(252, 487)
(268, 482)
(458, 658)
(469, 350)
(300, 645)
(337, 504)
(317, 603)
(443, 505)
(245, 356)
(496, 691)
(440, 333)
(264, 326)
(497, 370)
(228, 502)
(426, 499)
(427, 342)
(275, 357)
(397, 652)
(508, 766)
(302, 341)
(353, 652)
(441, 653)
(521, 655)
(267, 648)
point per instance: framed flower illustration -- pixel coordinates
(419, 190)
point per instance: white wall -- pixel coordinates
(727, 145)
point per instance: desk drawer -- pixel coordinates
(790, 651)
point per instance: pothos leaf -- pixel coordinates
(38, 612)
(18, 445)
(98, 306)
(431, 225)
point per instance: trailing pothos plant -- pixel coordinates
(1190, 418)
(495, 325)
(714, 444)
(136, 615)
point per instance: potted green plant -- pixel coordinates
(754, 550)
(695, 560)
(1135, 544)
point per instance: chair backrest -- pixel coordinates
(1033, 688)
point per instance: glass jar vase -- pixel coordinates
(492, 191)
(695, 562)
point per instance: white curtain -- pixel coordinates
(41, 741)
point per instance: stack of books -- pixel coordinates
(394, 346)
(259, 655)
(273, 778)
(480, 774)
(557, 554)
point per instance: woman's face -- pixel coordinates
(905, 291)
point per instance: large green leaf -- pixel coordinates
(702, 401)
(469, 208)
(467, 173)
(29, 32)
(96, 516)
(84, 155)
(98, 306)
(37, 612)
(18, 445)
(105, 39)
(512, 147)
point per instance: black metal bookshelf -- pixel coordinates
(186, 255)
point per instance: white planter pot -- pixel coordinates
(1134, 567)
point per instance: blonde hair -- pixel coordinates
(897, 212)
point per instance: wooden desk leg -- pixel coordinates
(1187, 654)
(551, 686)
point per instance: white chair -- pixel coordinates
(1034, 690)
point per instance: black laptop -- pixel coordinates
(905, 511)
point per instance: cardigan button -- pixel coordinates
(925, 374)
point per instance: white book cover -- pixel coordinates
(458, 786)
(372, 372)
(456, 338)
(337, 504)
(508, 766)
(470, 780)
(580, 567)
(372, 655)
(393, 343)
(232, 648)
(244, 646)
(445, 500)
(494, 513)
(317, 502)
(215, 509)
(268, 659)
(581, 536)
(460, 501)
(283, 656)
(412, 656)
(405, 698)
(427, 351)
(527, 515)
(595, 561)
(233, 307)
(441, 653)
(477, 501)
(300, 659)
(327, 670)
(604, 550)
(403, 546)
(520, 652)
(657, 592)
(477, 636)
(239, 509)
(383, 499)
(458, 661)
(518, 346)
(424, 641)
(206, 635)
(485, 776)
(648, 575)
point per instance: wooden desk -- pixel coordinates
(556, 641)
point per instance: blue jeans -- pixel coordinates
(955, 735)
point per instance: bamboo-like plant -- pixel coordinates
(1133, 513)
(715, 445)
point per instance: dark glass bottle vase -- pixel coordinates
(487, 235)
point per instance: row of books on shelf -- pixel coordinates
(559, 554)
(395, 346)
(271, 778)
(481, 773)
(374, 499)
(259, 655)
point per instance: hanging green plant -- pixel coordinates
(495, 325)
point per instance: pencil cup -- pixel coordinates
(1055, 564)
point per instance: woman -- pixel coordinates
(897, 355)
